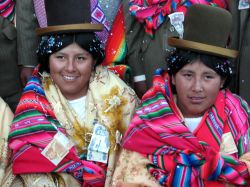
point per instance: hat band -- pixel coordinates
(200, 47)
(85, 27)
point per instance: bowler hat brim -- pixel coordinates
(201, 47)
(71, 28)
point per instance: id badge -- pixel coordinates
(99, 144)
(97, 156)
(58, 148)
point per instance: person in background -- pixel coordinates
(10, 89)
(17, 51)
(70, 100)
(27, 40)
(190, 130)
(240, 39)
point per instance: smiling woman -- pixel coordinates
(71, 68)
(53, 138)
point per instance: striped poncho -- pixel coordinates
(181, 158)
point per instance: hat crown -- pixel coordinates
(67, 12)
(67, 16)
(207, 25)
(206, 30)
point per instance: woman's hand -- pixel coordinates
(140, 88)
(25, 74)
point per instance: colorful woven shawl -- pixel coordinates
(7, 9)
(178, 157)
(33, 129)
(153, 12)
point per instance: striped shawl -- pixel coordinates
(42, 107)
(181, 158)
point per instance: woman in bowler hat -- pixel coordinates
(68, 97)
(190, 129)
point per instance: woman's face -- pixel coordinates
(197, 87)
(70, 69)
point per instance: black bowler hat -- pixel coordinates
(68, 16)
(206, 30)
